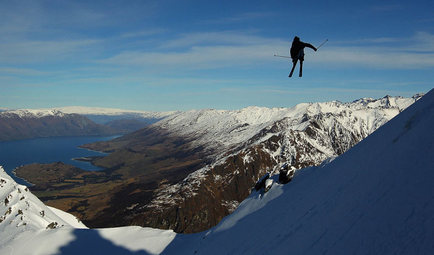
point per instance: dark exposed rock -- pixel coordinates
(286, 174)
(261, 183)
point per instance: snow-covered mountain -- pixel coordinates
(22, 213)
(196, 167)
(24, 124)
(104, 115)
(27, 226)
(222, 128)
(374, 199)
(243, 145)
(32, 113)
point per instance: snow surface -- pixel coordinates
(110, 111)
(32, 113)
(377, 198)
(225, 128)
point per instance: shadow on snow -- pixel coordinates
(89, 241)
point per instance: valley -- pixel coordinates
(91, 195)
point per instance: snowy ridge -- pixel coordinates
(215, 128)
(29, 113)
(307, 134)
(21, 211)
(374, 199)
(96, 114)
(110, 111)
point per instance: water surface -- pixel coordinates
(48, 150)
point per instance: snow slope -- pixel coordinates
(32, 113)
(265, 139)
(225, 128)
(377, 198)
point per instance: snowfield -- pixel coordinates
(377, 198)
(225, 128)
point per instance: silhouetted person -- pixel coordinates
(297, 53)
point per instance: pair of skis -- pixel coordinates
(293, 67)
(296, 60)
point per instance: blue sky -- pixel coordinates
(181, 55)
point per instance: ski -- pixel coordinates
(301, 69)
(293, 67)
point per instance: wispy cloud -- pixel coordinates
(28, 51)
(243, 17)
(229, 49)
(416, 52)
(387, 7)
(144, 33)
(23, 72)
(203, 51)
(216, 38)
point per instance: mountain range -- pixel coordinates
(73, 121)
(25, 124)
(376, 198)
(193, 168)
(106, 115)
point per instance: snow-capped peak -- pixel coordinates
(32, 113)
(82, 110)
(214, 128)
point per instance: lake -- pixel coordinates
(48, 150)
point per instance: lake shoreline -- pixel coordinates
(47, 150)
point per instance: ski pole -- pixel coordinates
(282, 56)
(322, 43)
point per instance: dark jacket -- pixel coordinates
(298, 46)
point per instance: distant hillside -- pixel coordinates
(25, 124)
(105, 115)
(126, 125)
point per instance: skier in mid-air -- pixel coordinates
(297, 53)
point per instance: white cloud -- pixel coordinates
(229, 49)
(24, 52)
(416, 52)
(204, 51)
(217, 38)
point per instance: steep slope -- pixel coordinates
(21, 211)
(28, 227)
(237, 148)
(25, 124)
(377, 198)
